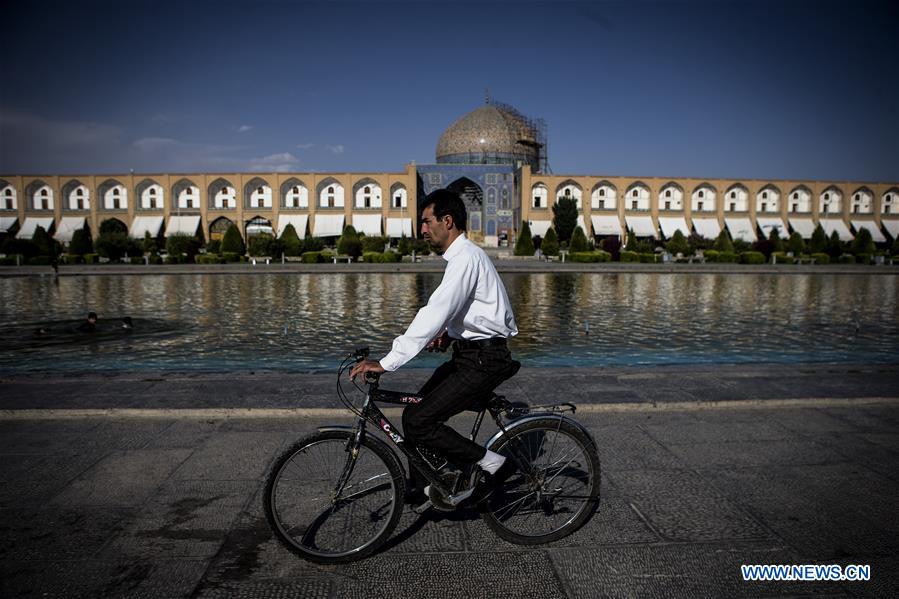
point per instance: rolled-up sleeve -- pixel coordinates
(450, 297)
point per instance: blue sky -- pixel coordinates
(765, 90)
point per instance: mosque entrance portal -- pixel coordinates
(473, 197)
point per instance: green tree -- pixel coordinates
(82, 242)
(524, 245)
(678, 243)
(46, 245)
(564, 218)
(232, 242)
(818, 244)
(182, 246)
(313, 244)
(632, 243)
(293, 246)
(834, 245)
(796, 244)
(112, 225)
(777, 244)
(149, 245)
(578, 241)
(260, 245)
(550, 245)
(404, 246)
(113, 244)
(863, 242)
(723, 242)
(349, 243)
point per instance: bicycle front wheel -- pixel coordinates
(330, 507)
(556, 488)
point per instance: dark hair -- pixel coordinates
(92, 315)
(446, 202)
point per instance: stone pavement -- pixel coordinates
(164, 502)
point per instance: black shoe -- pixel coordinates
(490, 483)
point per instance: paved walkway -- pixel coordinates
(703, 470)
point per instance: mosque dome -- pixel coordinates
(489, 134)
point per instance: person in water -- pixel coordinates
(89, 325)
(127, 323)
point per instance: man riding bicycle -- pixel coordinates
(469, 310)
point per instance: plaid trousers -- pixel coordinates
(456, 385)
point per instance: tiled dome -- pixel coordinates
(487, 130)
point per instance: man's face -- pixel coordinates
(434, 229)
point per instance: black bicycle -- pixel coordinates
(338, 494)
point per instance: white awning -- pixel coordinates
(297, 220)
(670, 224)
(67, 227)
(641, 226)
(370, 224)
(740, 228)
(30, 226)
(606, 224)
(707, 227)
(831, 225)
(6, 223)
(185, 225)
(539, 227)
(768, 223)
(803, 226)
(399, 227)
(141, 225)
(872, 228)
(328, 225)
(892, 227)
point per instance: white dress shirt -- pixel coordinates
(469, 303)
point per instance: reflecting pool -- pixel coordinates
(226, 322)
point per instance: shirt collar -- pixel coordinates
(455, 247)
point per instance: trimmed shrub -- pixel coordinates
(313, 244)
(612, 245)
(91, 258)
(154, 259)
(82, 242)
(550, 245)
(728, 257)
(231, 256)
(24, 247)
(13, 260)
(649, 258)
(232, 242)
(524, 245)
(821, 258)
(149, 245)
(835, 246)
(261, 244)
(597, 256)
(349, 243)
(578, 241)
(290, 241)
(209, 259)
(677, 244)
(312, 257)
(864, 258)
(711, 255)
(818, 243)
(723, 242)
(846, 259)
(404, 246)
(39, 261)
(113, 244)
(381, 257)
(374, 244)
(782, 258)
(628, 256)
(752, 258)
(796, 244)
(214, 247)
(863, 242)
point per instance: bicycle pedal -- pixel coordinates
(421, 509)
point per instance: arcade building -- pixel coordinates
(494, 156)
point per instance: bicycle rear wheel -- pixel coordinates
(556, 489)
(307, 515)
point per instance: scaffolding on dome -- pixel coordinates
(532, 133)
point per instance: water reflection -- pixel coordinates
(305, 322)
